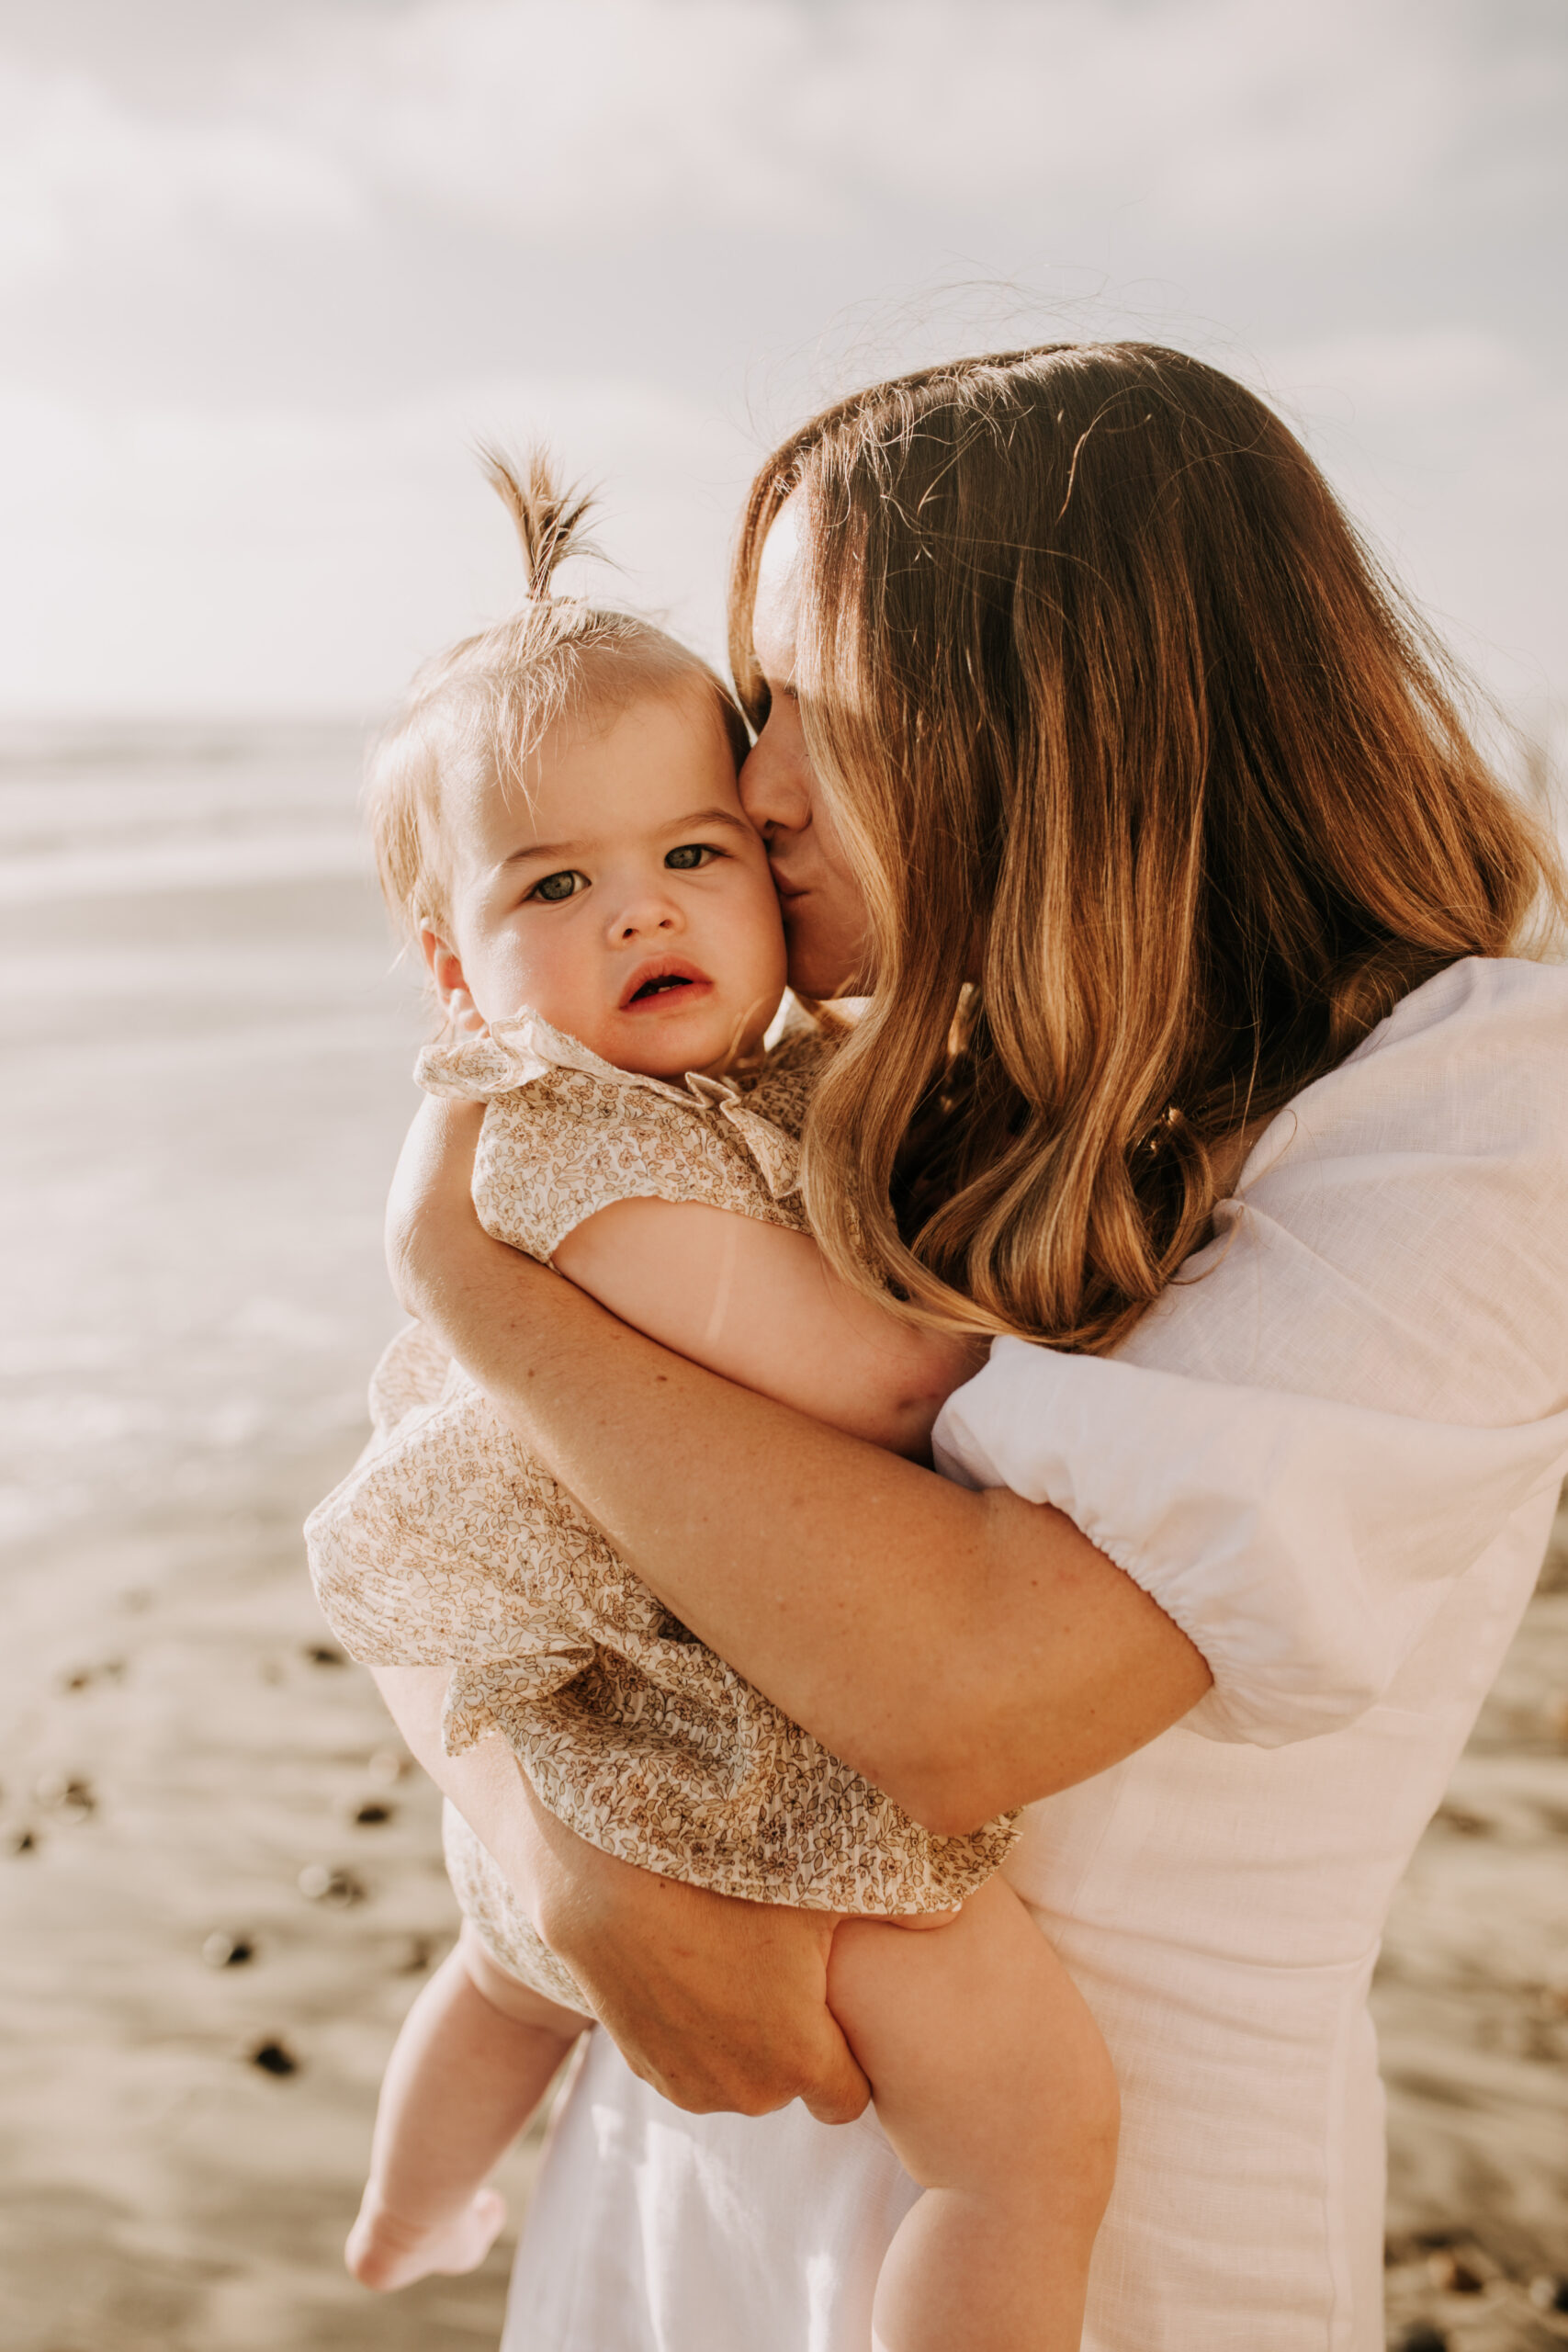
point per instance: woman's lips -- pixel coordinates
(662, 983)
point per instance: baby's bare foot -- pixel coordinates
(386, 2253)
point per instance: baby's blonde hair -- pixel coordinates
(477, 712)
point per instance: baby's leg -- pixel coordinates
(474, 2058)
(995, 2088)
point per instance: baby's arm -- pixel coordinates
(760, 1304)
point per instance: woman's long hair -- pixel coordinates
(1159, 796)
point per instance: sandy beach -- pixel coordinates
(207, 1073)
(219, 1881)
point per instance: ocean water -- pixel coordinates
(205, 1046)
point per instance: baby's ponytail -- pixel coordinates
(548, 516)
(480, 710)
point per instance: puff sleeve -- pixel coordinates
(1354, 1391)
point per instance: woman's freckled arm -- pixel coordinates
(966, 1652)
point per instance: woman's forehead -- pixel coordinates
(775, 613)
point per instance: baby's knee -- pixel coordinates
(1093, 2132)
(1066, 2083)
(1052, 2146)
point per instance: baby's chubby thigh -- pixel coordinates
(514, 2000)
(988, 2070)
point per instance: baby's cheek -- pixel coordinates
(527, 978)
(766, 964)
(571, 989)
(771, 951)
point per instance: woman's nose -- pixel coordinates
(775, 785)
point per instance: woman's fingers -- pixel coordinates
(742, 2075)
(765, 2063)
(721, 2005)
(839, 2091)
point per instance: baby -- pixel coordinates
(558, 819)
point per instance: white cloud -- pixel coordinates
(1249, 123)
(1241, 122)
(1230, 117)
(80, 169)
(181, 557)
(292, 186)
(533, 119)
(1424, 369)
(1450, 444)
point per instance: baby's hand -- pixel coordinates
(430, 1212)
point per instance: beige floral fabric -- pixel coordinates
(449, 1543)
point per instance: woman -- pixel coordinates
(1199, 1068)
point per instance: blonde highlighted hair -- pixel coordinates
(1159, 795)
(476, 714)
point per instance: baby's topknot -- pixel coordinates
(478, 713)
(548, 516)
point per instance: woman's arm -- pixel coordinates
(759, 1304)
(966, 1652)
(718, 2005)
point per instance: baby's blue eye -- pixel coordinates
(557, 887)
(689, 856)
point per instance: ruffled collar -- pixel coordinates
(517, 1052)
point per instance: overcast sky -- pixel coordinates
(264, 269)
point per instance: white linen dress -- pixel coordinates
(1334, 1461)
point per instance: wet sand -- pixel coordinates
(205, 1067)
(1471, 2009)
(206, 1075)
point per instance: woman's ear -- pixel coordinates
(445, 971)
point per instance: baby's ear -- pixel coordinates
(445, 971)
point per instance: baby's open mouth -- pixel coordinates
(665, 977)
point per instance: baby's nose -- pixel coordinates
(638, 918)
(643, 926)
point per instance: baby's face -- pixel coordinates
(624, 896)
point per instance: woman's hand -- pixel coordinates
(720, 2006)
